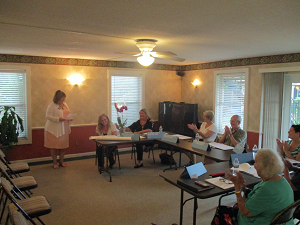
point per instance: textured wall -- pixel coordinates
(203, 95)
(90, 99)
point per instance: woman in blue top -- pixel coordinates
(291, 148)
(267, 198)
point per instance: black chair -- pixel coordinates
(286, 214)
(115, 152)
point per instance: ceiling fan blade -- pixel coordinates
(128, 53)
(170, 57)
(164, 53)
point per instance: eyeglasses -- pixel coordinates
(225, 181)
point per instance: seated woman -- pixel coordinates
(207, 131)
(267, 198)
(105, 127)
(291, 148)
(143, 125)
(293, 180)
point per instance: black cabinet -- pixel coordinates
(175, 117)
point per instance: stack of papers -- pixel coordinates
(220, 182)
(220, 146)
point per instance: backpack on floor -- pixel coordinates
(166, 159)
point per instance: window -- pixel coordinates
(126, 87)
(15, 91)
(230, 98)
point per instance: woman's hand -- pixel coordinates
(286, 147)
(193, 127)
(279, 143)
(61, 119)
(237, 180)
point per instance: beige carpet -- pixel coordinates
(80, 195)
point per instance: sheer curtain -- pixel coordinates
(272, 95)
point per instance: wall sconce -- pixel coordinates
(196, 83)
(76, 79)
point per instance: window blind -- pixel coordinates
(230, 95)
(126, 90)
(13, 93)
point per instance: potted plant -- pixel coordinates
(10, 126)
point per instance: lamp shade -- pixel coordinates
(145, 60)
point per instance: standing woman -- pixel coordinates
(143, 125)
(105, 127)
(57, 128)
(291, 148)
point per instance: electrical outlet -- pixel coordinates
(76, 143)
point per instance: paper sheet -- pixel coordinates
(217, 182)
(220, 146)
(181, 136)
(71, 116)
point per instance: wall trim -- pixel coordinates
(260, 60)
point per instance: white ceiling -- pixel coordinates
(197, 30)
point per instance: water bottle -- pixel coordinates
(236, 166)
(197, 137)
(160, 129)
(254, 151)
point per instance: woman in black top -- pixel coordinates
(143, 125)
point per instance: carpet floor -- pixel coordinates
(80, 195)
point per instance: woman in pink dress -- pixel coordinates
(57, 128)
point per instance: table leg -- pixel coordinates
(181, 207)
(195, 210)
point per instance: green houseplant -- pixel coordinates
(10, 125)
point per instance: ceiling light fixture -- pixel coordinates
(146, 59)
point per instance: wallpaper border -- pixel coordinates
(284, 58)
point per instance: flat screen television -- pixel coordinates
(174, 117)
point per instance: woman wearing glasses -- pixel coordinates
(267, 198)
(143, 125)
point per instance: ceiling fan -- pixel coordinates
(146, 56)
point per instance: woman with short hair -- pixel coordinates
(267, 198)
(57, 128)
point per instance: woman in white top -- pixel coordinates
(207, 131)
(57, 128)
(105, 127)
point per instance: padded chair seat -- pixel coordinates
(18, 219)
(19, 167)
(25, 183)
(34, 206)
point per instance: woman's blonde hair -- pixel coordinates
(269, 163)
(100, 125)
(58, 95)
(145, 111)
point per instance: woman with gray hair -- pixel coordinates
(267, 198)
(208, 130)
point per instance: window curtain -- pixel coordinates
(272, 98)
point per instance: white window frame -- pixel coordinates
(246, 97)
(129, 73)
(28, 139)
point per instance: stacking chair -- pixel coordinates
(24, 183)
(17, 218)
(33, 207)
(14, 168)
(286, 214)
